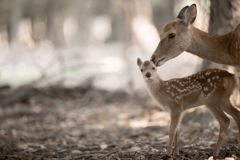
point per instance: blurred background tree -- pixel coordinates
(46, 35)
(69, 43)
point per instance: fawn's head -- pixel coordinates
(148, 69)
(175, 37)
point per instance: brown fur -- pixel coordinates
(224, 49)
(212, 87)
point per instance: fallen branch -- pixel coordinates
(16, 96)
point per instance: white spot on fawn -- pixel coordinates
(208, 73)
(178, 97)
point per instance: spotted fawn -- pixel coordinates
(212, 88)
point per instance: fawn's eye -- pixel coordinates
(171, 35)
(141, 70)
(153, 68)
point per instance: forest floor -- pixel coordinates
(96, 124)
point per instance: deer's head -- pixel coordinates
(175, 37)
(148, 69)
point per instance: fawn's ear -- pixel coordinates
(139, 62)
(181, 14)
(190, 15)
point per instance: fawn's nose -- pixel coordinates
(148, 74)
(152, 59)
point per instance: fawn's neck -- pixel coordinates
(210, 47)
(154, 86)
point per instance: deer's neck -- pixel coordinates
(154, 86)
(157, 91)
(210, 47)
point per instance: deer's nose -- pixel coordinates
(152, 59)
(148, 74)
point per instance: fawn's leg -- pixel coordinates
(176, 144)
(175, 118)
(234, 112)
(223, 122)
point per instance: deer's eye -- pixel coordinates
(141, 70)
(171, 35)
(153, 68)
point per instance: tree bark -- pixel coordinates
(14, 21)
(55, 19)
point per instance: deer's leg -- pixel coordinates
(175, 118)
(234, 112)
(176, 144)
(224, 122)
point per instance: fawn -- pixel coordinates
(212, 87)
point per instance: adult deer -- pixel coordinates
(211, 87)
(179, 35)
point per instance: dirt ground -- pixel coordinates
(96, 124)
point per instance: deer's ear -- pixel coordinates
(139, 62)
(182, 12)
(190, 15)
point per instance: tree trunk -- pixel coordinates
(55, 19)
(129, 8)
(13, 32)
